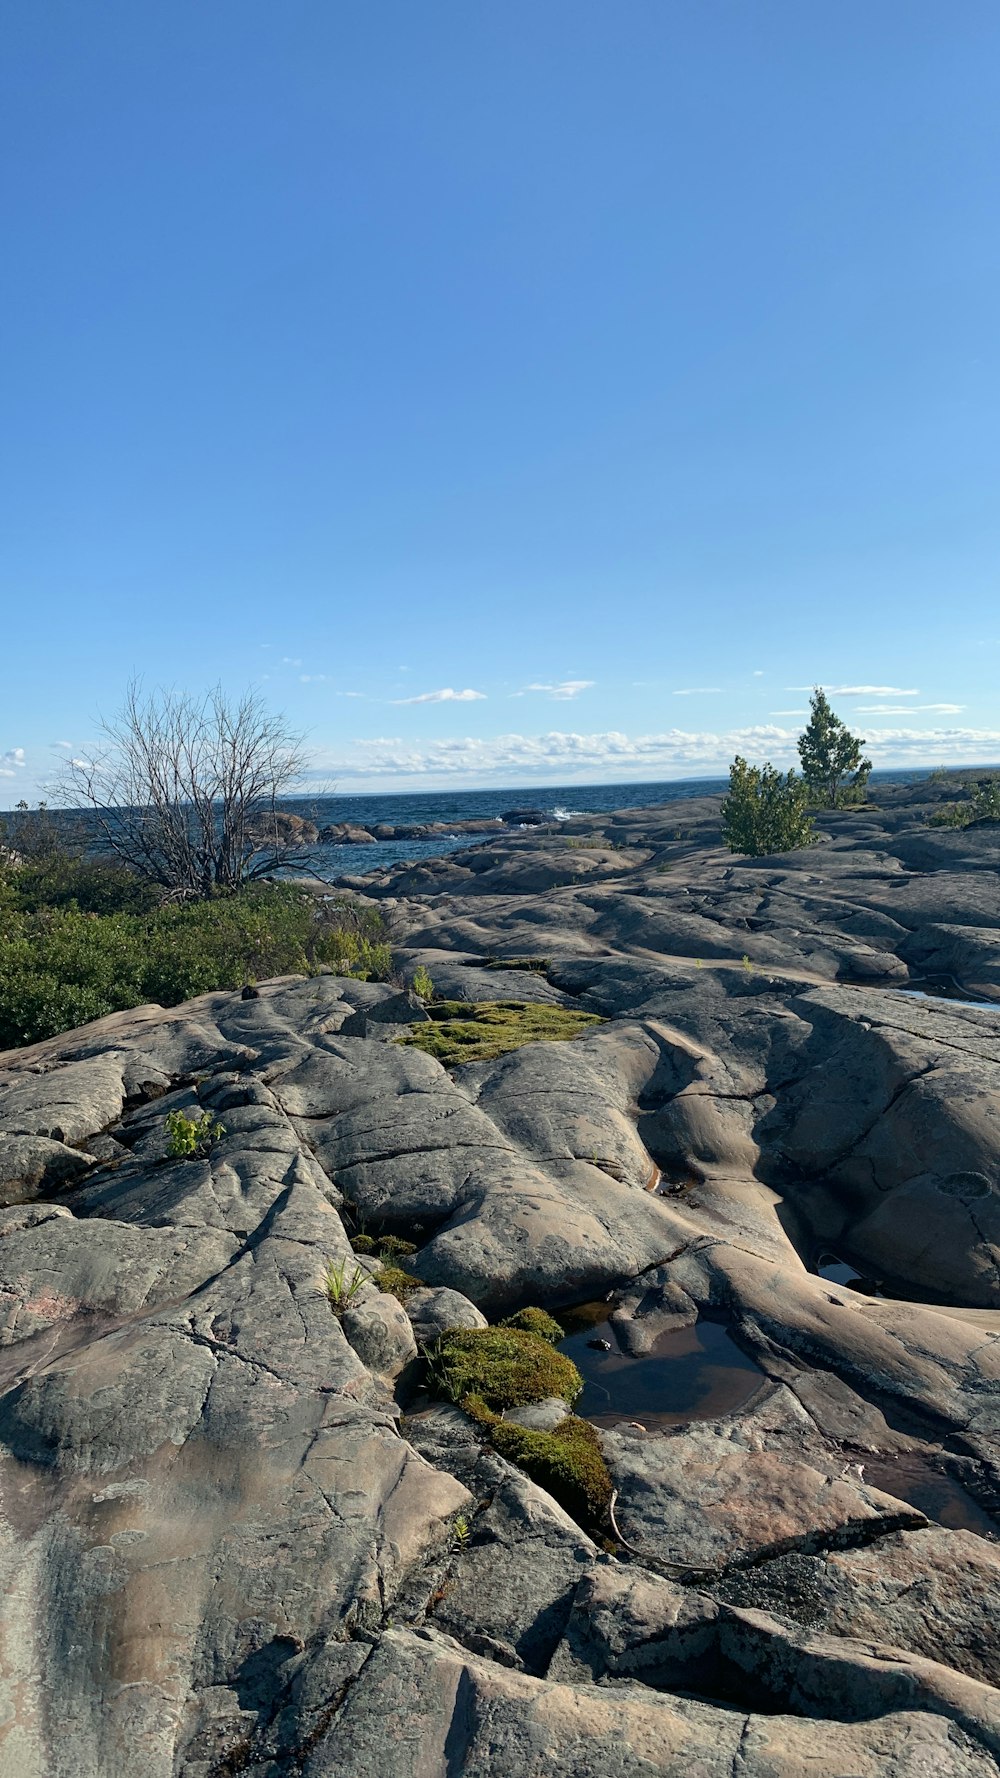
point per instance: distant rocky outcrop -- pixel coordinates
(238, 1534)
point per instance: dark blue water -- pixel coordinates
(555, 802)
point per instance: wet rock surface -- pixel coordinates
(237, 1537)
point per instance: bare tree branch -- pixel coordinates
(187, 792)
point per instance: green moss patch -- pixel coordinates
(537, 1322)
(465, 1031)
(395, 1282)
(500, 1367)
(567, 1462)
(489, 1369)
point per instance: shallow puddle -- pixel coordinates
(841, 1271)
(932, 1491)
(694, 1373)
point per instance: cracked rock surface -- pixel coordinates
(236, 1537)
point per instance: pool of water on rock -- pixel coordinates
(911, 1477)
(693, 1373)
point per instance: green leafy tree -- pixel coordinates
(833, 765)
(765, 811)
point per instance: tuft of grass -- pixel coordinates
(536, 1321)
(189, 1135)
(342, 1286)
(567, 1462)
(487, 1369)
(460, 1031)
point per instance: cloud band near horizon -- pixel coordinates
(612, 755)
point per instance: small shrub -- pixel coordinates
(363, 1244)
(422, 985)
(765, 811)
(189, 1135)
(537, 1322)
(342, 1285)
(983, 805)
(500, 1367)
(567, 1462)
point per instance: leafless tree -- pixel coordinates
(186, 791)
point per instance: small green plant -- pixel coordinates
(983, 805)
(189, 1135)
(342, 1285)
(747, 965)
(422, 985)
(765, 811)
(462, 1530)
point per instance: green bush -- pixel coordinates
(190, 1134)
(983, 805)
(765, 811)
(63, 964)
(422, 984)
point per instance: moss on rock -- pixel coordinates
(395, 1282)
(478, 1031)
(537, 1322)
(567, 1462)
(501, 1367)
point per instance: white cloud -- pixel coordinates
(698, 691)
(859, 691)
(66, 745)
(562, 689)
(313, 678)
(560, 757)
(12, 762)
(287, 660)
(758, 673)
(84, 764)
(893, 710)
(447, 696)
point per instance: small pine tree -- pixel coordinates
(832, 762)
(765, 811)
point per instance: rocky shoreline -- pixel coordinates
(239, 1534)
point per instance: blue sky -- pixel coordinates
(517, 393)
